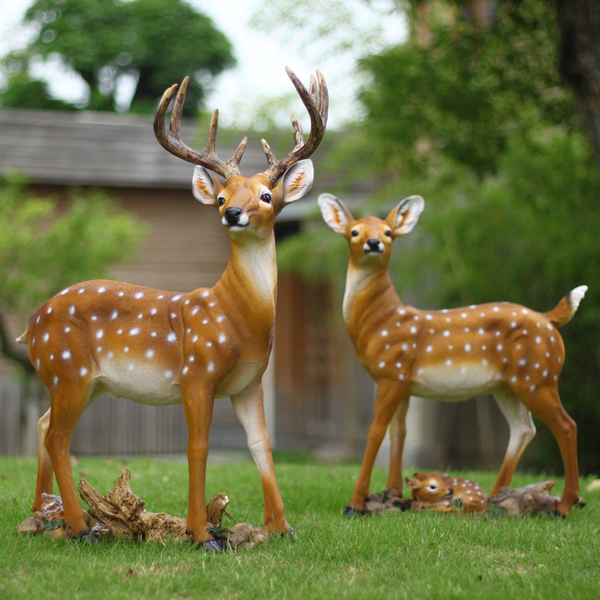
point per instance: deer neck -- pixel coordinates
(250, 279)
(369, 298)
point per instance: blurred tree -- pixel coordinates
(474, 117)
(154, 42)
(43, 251)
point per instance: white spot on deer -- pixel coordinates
(467, 330)
(168, 374)
(121, 294)
(545, 373)
(33, 342)
(94, 318)
(524, 331)
(463, 370)
(387, 346)
(99, 349)
(66, 354)
(141, 316)
(99, 334)
(114, 314)
(83, 371)
(513, 324)
(46, 337)
(153, 310)
(480, 331)
(66, 291)
(195, 310)
(381, 365)
(513, 379)
(211, 304)
(499, 347)
(49, 311)
(138, 295)
(185, 370)
(552, 339)
(419, 371)
(399, 365)
(522, 362)
(153, 334)
(37, 363)
(195, 339)
(464, 315)
(81, 290)
(495, 309)
(484, 362)
(38, 319)
(448, 362)
(126, 349)
(398, 324)
(467, 347)
(109, 355)
(186, 302)
(429, 349)
(131, 366)
(171, 337)
(101, 289)
(413, 330)
(55, 380)
(175, 298)
(134, 331)
(401, 311)
(205, 322)
(52, 357)
(209, 344)
(205, 294)
(428, 317)
(404, 347)
(161, 296)
(536, 366)
(191, 359)
(532, 388)
(560, 359)
(223, 338)
(446, 333)
(524, 311)
(173, 315)
(67, 329)
(220, 318)
(210, 367)
(149, 353)
(71, 310)
(384, 333)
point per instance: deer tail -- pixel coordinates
(563, 312)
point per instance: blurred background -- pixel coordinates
(487, 109)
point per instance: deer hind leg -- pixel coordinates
(248, 406)
(387, 400)
(522, 431)
(44, 472)
(68, 401)
(546, 405)
(397, 438)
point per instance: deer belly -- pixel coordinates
(453, 383)
(240, 378)
(141, 382)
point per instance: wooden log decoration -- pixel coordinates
(122, 514)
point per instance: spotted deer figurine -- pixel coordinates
(500, 348)
(442, 492)
(158, 347)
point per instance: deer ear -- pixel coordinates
(296, 182)
(405, 216)
(206, 187)
(413, 484)
(335, 213)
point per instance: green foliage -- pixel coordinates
(23, 92)
(44, 249)
(157, 41)
(404, 556)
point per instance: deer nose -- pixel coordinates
(232, 215)
(373, 245)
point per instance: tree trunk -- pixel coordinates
(579, 24)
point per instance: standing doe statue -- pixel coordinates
(157, 347)
(503, 349)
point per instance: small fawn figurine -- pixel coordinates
(157, 347)
(442, 492)
(503, 349)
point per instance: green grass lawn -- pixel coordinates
(409, 555)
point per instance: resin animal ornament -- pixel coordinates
(158, 347)
(500, 348)
(444, 493)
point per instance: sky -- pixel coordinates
(261, 57)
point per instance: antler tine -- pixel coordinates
(316, 101)
(173, 143)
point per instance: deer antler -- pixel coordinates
(175, 145)
(317, 104)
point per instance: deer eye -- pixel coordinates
(221, 200)
(354, 232)
(432, 487)
(388, 232)
(266, 197)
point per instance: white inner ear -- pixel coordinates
(297, 181)
(333, 214)
(408, 214)
(203, 186)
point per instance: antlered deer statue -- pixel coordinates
(498, 348)
(158, 347)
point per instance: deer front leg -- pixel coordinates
(44, 472)
(387, 400)
(248, 406)
(198, 401)
(397, 439)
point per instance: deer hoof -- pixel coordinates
(218, 545)
(559, 515)
(291, 535)
(88, 537)
(352, 512)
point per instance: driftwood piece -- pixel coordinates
(531, 499)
